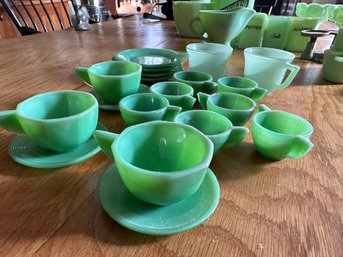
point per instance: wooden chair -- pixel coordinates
(36, 16)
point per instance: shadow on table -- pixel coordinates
(238, 162)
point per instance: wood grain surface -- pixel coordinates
(284, 208)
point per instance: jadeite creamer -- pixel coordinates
(59, 121)
(221, 26)
(160, 162)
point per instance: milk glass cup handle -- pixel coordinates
(83, 74)
(293, 72)
(188, 102)
(202, 97)
(238, 133)
(105, 140)
(338, 59)
(258, 93)
(171, 112)
(300, 146)
(262, 108)
(9, 121)
(193, 30)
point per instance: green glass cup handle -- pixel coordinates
(171, 112)
(83, 74)
(258, 93)
(9, 121)
(238, 133)
(188, 102)
(300, 146)
(203, 97)
(293, 72)
(105, 140)
(193, 30)
(209, 86)
(262, 108)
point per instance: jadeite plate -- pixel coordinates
(150, 57)
(24, 151)
(146, 218)
(103, 105)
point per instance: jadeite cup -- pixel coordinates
(198, 80)
(177, 93)
(278, 134)
(268, 67)
(160, 162)
(276, 31)
(221, 26)
(112, 80)
(215, 126)
(60, 121)
(237, 108)
(242, 86)
(184, 12)
(209, 57)
(144, 107)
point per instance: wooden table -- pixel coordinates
(284, 208)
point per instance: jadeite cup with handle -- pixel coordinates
(209, 57)
(60, 121)
(198, 80)
(215, 126)
(184, 12)
(112, 80)
(279, 134)
(243, 86)
(221, 26)
(159, 162)
(268, 67)
(144, 107)
(177, 93)
(237, 108)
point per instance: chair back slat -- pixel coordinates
(57, 14)
(34, 16)
(28, 13)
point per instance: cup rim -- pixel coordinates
(176, 74)
(136, 65)
(295, 116)
(154, 87)
(247, 89)
(94, 105)
(227, 121)
(224, 49)
(250, 51)
(204, 164)
(127, 98)
(252, 108)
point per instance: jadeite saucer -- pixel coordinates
(147, 218)
(103, 105)
(24, 151)
(149, 57)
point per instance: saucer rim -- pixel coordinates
(59, 164)
(124, 56)
(215, 188)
